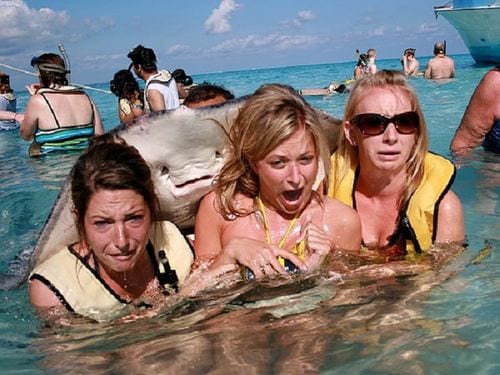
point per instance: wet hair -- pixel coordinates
(409, 51)
(52, 69)
(110, 164)
(206, 91)
(124, 84)
(397, 83)
(145, 57)
(180, 76)
(268, 118)
(438, 48)
(5, 84)
(362, 60)
(371, 52)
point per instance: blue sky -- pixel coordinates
(204, 36)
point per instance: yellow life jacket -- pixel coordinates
(420, 217)
(83, 292)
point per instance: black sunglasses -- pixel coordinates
(375, 124)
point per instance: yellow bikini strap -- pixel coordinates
(262, 209)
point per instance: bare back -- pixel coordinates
(440, 67)
(50, 109)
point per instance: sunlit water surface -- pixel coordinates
(439, 322)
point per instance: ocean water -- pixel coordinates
(442, 322)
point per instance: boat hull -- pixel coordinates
(479, 29)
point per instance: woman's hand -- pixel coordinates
(258, 256)
(33, 88)
(318, 246)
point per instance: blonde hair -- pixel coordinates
(397, 83)
(268, 118)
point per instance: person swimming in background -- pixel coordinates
(130, 96)
(360, 69)
(371, 67)
(59, 117)
(383, 169)
(184, 83)
(9, 117)
(264, 212)
(440, 66)
(410, 63)
(160, 89)
(206, 94)
(480, 123)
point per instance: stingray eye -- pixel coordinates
(164, 170)
(218, 155)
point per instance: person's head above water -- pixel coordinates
(110, 164)
(270, 117)
(143, 58)
(51, 69)
(206, 94)
(409, 52)
(123, 84)
(439, 49)
(360, 127)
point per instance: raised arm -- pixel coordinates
(481, 113)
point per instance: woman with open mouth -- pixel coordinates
(264, 212)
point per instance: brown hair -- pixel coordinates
(268, 118)
(109, 163)
(52, 70)
(397, 83)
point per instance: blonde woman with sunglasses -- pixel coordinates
(384, 170)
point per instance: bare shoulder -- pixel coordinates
(450, 204)
(340, 212)
(41, 296)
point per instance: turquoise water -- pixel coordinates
(389, 326)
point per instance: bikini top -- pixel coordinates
(66, 92)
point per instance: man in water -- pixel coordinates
(160, 89)
(207, 94)
(410, 62)
(440, 66)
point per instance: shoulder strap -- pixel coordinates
(51, 109)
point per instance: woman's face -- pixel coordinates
(286, 174)
(391, 149)
(117, 228)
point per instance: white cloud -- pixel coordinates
(379, 31)
(302, 17)
(218, 21)
(273, 41)
(426, 28)
(22, 27)
(178, 49)
(97, 25)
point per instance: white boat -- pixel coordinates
(478, 23)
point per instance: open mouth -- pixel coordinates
(292, 195)
(194, 181)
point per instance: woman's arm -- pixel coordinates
(208, 229)
(450, 223)
(41, 296)
(98, 128)
(479, 115)
(31, 116)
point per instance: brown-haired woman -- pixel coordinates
(59, 117)
(123, 257)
